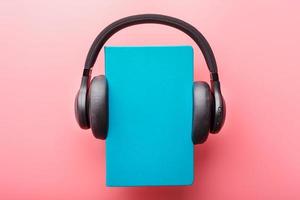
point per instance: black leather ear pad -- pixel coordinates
(98, 107)
(81, 110)
(201, 112)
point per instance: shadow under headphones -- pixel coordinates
(91, 103)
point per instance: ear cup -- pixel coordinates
(202, 112)
(81, 110)
(98, 107)
(218, 109)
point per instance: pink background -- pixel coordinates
(44, 154)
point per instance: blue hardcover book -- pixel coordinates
(150, 95)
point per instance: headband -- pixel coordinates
(185, 27)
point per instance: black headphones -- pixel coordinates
(91, 103)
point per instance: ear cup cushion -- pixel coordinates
(202, 112)
(98, 107)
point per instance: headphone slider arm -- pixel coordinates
(87, 72)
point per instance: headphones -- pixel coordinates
(91, 103)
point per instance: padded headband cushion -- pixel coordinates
(98, 106)
(202, 112)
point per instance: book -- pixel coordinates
(150, 97)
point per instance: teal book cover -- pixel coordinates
(150, 99)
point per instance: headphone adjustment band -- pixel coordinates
(183, 26)
(214, 76)
(87, 72)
